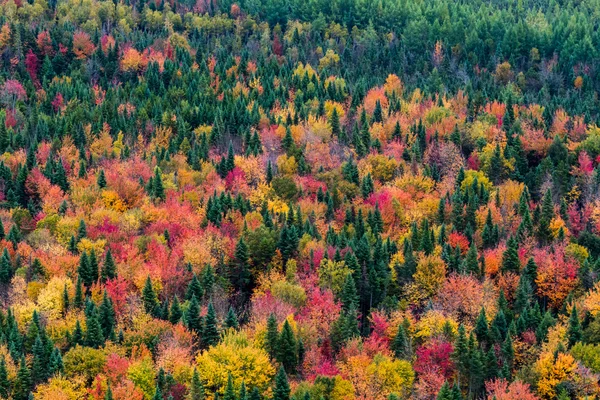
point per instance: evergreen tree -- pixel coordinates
(272, 336)
(401, 344)
(93, 334)
(334, 123)
(158, 189)
(287, 350)
(175, 312)
(210, 333)
(149, 298)
(231, 320)
(107, 316)
(282, 387)
(194, 289)
(101, 179)
(192, 316)
(574, 331)
(546, 216)
(4, 382)
(196, 391)
(109, 268)
(23, 382)
(510, 257)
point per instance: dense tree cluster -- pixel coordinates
(299, 200)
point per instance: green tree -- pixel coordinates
(210, 333)
(149, 298)
(287, 350)
(282, 386)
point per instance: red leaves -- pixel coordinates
(435, 356)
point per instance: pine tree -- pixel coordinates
(108, 395)
(6, 269)
(101, 179)
(231, 321)
(471, 265)
(192, 316)
(158, 191)
(93, 334)
(272, 336)
(282, 386)
(109, 269)
(107, 316)
(574, 331)
(287, 351)
(194, 288)
(510, 257)
(149, 298)
(175, 312)
(334, 123)
(401, 344)
(56, 362)
(196, 388)
(349, 295)
(4, 382)
(210, 333)
(23, 382)
(229, 390)
(78, 299)
(81, 230)
(39, 366)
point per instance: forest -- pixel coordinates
(299, 200)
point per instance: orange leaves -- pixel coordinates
(463, 296)
(557, 274)
(374, 95)
(133, 61)
(82, 45)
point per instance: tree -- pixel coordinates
(149, 298)
(107, 317)
(23, 382)
(210, 333)
(175, 312)
(196, 391)
(101, 179)
(231, 320)
(158, 189)
(192, 316)
(574, 332)
(272, 336)
(287, 350)
(4, 383)
(547, 214)
(282, 387)
(510, 257)
(109, 268)
(334, 123)
(93, 334)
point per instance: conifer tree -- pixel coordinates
(272, 336)
(287, 350)
(210, 333)
(101, 179)
(194, 289)
(109, 268)
(282, 386)
(175, 312)
(4, 382)
(196, 388)
(192, 316)
(231, 320)
(149, 298)
(574, 331)
(23, 382)
(93, 334)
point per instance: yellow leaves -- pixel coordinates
(555, 226)
(88, 245)
(379, 166)
(552, 371)
(330, 59)
(429, 277)
(50, 299)
(320, 128)
(333, 105)
(142, 374)
(236, 356)
(471, 175)
(278, 206)
(132, 60)
(287, 165)
(302, 69)
(84, 362)
(289, 292)
(332, 274)
(591, 302)
(161, 139)
(61, 388)
(432, 324)
(112, 200)
(378, 378)
(393, 85)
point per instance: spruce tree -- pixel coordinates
(287, 350)
(210, 333)
(574, 331)
(109, 268)
(282, 386)
(194, 289)
(101, 179)
(23, 382)
(175, 312)
(107, 316)
(192, 316)
(93, 334)
(401, 344)
(196, 388)
(149, 298)
(158, 189)
(231, 321)
(510, 257)
(272, 336)
(4, 382)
